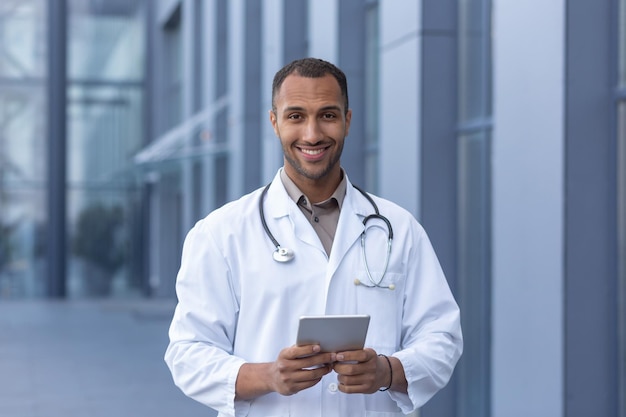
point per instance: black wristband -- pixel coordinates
(390, 373)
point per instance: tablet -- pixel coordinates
(336, 333)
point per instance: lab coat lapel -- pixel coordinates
(354, 209)
(349, 228)
(279, 204)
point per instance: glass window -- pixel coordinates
(23, 27)
(22, 38)
(106, 47)
(474, 193)
(173, 61)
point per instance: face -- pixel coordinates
(311, 122)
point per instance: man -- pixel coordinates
(232, 337)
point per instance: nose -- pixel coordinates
(312, 131)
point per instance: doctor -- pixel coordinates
(250, 269)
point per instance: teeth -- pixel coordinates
(312, 151)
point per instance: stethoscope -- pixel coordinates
(285, 255)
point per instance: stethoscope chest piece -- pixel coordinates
(282, 254)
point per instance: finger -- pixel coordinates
(354, 368)
(295, 387)
(302, 379)
(357, 384)
(356, 355)
(346, 368)
(296, 352)
(352, 389)
(315, 361)
(316, 373)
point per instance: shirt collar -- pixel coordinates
(296, 195)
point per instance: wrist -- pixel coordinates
(387, 363)
(252, 381)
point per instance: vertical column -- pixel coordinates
(295, 24)
(237, 73)
(438, 157)
(352, 62)
(57, 130)
(528, 200)
(147, 188)
(273, 59)
(187, 33)
(209, 32)
(591, 356)
(251, 96)
(323, 38)
(400, 103)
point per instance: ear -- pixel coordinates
(348, 119)
(274, 121)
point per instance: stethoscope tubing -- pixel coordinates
(285, 255)
(387, 257)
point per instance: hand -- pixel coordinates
(361, 371)
(298, 368)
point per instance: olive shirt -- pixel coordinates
(324, 215)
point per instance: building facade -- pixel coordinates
(500, 125)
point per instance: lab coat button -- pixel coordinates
(332, 387)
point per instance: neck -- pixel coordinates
(317, 190)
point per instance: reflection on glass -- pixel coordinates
(22, 148)
(104, 124)
(172, 91)
(22, 38)
(106, 40)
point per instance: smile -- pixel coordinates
(312, 152)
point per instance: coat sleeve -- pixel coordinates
(199, 354)
(431, 338)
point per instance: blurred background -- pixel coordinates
(500, 125)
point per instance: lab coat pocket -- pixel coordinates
(382, 300)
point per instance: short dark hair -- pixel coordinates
(310, 68)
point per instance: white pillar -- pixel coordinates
(324, 30)
(272, 61)
(528, 214)
(399, 124)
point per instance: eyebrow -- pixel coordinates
(325, 108)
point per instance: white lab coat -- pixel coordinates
(236, 304)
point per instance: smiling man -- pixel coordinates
(311, 119)
(232, 337)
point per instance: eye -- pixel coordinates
(329, 116)
(294, 116)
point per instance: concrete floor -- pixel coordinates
(88, 358)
